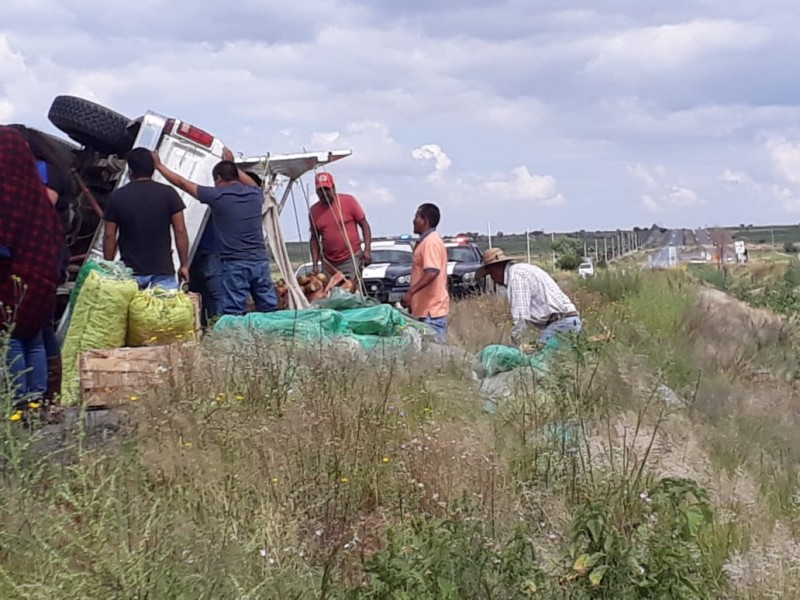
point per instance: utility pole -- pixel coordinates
(528, 241)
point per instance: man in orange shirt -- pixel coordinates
(335, 220)
(428, 298)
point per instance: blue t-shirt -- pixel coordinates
(236, 214)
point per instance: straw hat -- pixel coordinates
(493, 256)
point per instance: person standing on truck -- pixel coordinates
(335, 220)
(534, 297)
(236, 202)
(428, 298)
(142, 212)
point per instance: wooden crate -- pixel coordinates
(113, 377)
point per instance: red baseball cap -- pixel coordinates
(323, 180)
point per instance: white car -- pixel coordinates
(586, 270)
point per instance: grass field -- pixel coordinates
(766, 235)
(660, 462)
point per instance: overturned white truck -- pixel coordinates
(103, 139)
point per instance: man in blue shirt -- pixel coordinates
(235, 202)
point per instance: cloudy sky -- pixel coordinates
(553, 114)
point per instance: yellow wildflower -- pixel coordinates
(344, 480)
(34, 405)
(17, 416)
(386, 460)
(275, 480)
(134, 398)
(239, 397)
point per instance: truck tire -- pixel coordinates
(91, 125)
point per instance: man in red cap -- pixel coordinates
(334, 230)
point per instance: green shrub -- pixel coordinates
(568, 262)
(448, 560)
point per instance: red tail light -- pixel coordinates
(196, 135)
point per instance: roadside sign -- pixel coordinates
(739, 248)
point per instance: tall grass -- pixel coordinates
(278, 471)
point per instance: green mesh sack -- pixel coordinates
(158, 317)
(308, 325)
(496, 358)
(100, 321)
(107, 268)
(340, 299)
(381, 320)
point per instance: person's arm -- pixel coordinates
(518, 332)
(519, 299)
(181, 243)
(110, 240)
(366, 232)
(173, 178)
(244, 178)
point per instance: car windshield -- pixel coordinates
(394, 257)
(461, 254)
(584, 266)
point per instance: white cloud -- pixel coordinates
(671, 46)
(646, 175)
(786, 158)
(649, 204)
(661, 193)
(735, 178)
(680, 93)
(433, 152)
(522, 186)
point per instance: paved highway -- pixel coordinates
(674, 237)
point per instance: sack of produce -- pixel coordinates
(157, 317)
(99, 321)
(107, 268)
(496, 359)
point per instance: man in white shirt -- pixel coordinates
(534, 296)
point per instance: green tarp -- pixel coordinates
(499, 359)
(371, 326)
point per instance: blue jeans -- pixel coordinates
(439, 325)
(564, 326)
(212, 273)
(168, 282)
(27, 365)
(240, 277)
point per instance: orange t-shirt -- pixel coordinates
(336, 225)
(433, 300)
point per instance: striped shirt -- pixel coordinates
(534, 297)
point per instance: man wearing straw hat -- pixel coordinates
(534, 296)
